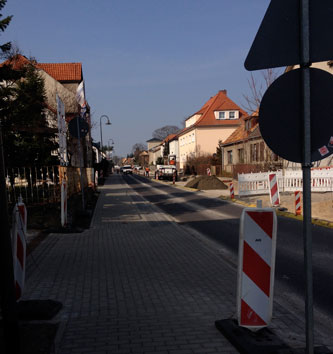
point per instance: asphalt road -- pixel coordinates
(218, 220)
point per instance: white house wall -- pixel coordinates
(174, 149)
(187, 146)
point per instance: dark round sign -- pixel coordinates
(281, 118)
(78, 126)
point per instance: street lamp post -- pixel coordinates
(110, 150)
(100, 125)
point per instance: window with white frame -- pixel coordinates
(222, 115)
(232, 115)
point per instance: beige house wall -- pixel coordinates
(158, 153)
(201, 141)
(323, 65)
(208, 138)
(267, 157)
(53, 87)
(152, 144)
(191, 120)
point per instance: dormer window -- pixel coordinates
(226, 115)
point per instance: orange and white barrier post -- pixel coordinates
(256, 265)
(63, 203)
(274, 189)
(232, 192)
(174, 177)
(208, 171)
(19, 245)
(298, 206)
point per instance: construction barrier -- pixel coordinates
(274, 189)
(208, 172)
(232, 192)
(19, 245)
(288, 181)
(63, 203)
(298, 206)
(256, 183)
(256, 264)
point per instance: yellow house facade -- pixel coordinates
(218, 118)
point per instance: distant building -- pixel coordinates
(218, 118)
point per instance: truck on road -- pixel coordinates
(166, 172)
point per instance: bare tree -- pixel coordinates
(137, 149)
(258, 87)
(163, 132)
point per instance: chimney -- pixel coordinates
(224, 91)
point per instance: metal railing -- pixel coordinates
(36, 185)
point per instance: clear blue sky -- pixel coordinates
(146, 63)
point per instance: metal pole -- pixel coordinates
(306, 167)
(79, 148)
(100, 126)
(7, 288)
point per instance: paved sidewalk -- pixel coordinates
(136, 282)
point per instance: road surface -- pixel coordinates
(218, 221)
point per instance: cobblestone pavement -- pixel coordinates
(136, 282)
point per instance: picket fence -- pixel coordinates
(288, 181)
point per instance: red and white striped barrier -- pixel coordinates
(19, 245)
(232, 192)
(63, 203)
(208, 172)
(256, 264)
(274, 189)
(298, 206)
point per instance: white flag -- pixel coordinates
(62, 129)
(80, 94)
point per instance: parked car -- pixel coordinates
(166, 172)
(127, 169)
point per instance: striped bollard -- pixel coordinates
(274, 189)
(232, 192)
(19, 246)
(298, 207)
(256, 264)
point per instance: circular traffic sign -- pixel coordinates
(281, 118)
(78, 127)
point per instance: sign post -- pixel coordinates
(306, 167)
(285, 38)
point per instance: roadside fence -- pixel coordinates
(36, 185)
(288, 181)
(42, 184)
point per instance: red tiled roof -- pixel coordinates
(240, 133)
(17, 62)
(220, 102)
(169, 137)
(59, 71)
(63, 71)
